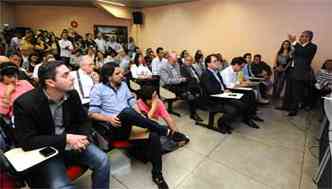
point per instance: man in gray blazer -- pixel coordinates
(171, 78)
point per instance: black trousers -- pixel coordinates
(229, 111)
(182, 90)
(232, 108)
(247, 104)
(301, 91)
(149, 149)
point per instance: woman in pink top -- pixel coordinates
(10, 87)
(150, 105)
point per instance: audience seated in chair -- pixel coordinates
(84, 79)
(112, 102)
(46, 59)
(16, 58)
(52, 115)
(261, 69)
(199, 64)
(229, 77)
(149, 56)
(10, 87)
(138, 69)
(192, 76)
(212, 83)
(324, 79)
(171, 79)
(223, 63)
(158, 61)
(247, 78)
(150, 105)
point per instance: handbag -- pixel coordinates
(167, 145)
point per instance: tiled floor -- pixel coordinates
(280, 155)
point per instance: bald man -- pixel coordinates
(171, 78)
(84, 79)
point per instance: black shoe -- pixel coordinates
(229, 128)
(229, 131)
(308, 108)
(223, 130)
(256, 118)
(251, 124)
(281, 108)
(196, 117)
(159, 180)
(180, 138)
(292, 113)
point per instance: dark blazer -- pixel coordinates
(193, 85)
(302, 61)
(187, 73)
(210, 84)
(34, 126)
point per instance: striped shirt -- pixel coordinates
(324, 79)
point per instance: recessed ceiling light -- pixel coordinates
(112, 3)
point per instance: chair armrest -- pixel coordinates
(138, 133)
(166, 94)
(134, 86)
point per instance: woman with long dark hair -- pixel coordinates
(283, 60)
(139, 70)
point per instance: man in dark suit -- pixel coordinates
(212, 83)
(52, 115)
(192, 77)
(302, 75)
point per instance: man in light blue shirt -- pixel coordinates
(158, 61)
(111, 102)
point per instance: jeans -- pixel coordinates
(53, 173)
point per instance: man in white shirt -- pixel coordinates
(230, 74)
(230, 79)
(101, 43)
(84, 79)
(66, 47)
(158, 61)
(114, 45)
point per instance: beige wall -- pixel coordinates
(234, 27)
(7, 15)
(56, 18)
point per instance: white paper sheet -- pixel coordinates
(228, 95)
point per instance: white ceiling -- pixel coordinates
(129, 3)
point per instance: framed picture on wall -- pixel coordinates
(119, 32)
